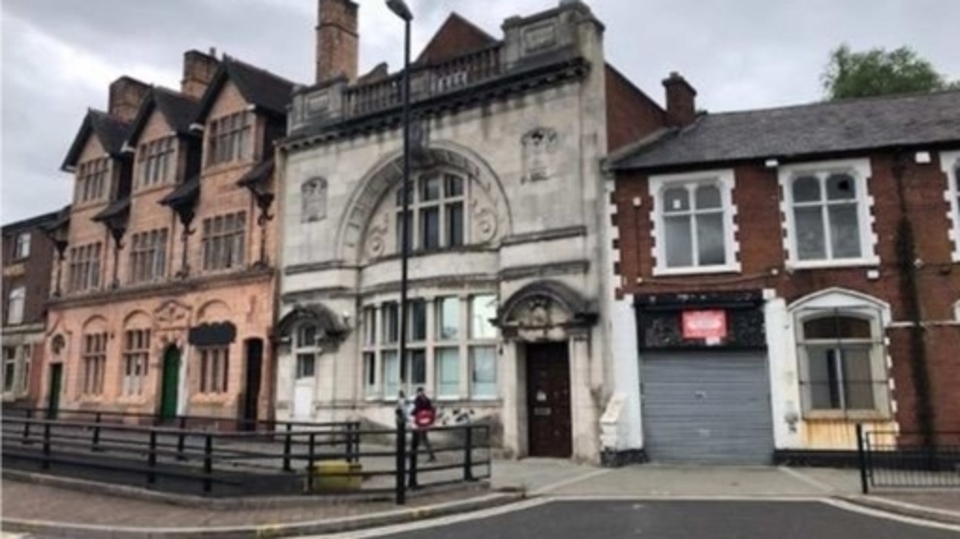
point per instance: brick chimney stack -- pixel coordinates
(681, 100)
(126, 95)
(337, 40)
(198, 71)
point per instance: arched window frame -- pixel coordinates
(831, 356)
(449, 207)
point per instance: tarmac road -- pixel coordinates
(682, 520)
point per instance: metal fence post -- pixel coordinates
(286, 450)
(26, 426)
(468, 455)
(414, 449)
(862, 456)
(181, 438)
(401, 450)
(208, 464)
(96, 431)
(310, 458)
(152, 459)
(45, 464)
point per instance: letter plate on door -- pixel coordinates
(541, 411)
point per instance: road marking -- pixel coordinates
(817, 484)
(682, 498)
(847, 506)
(442, 521)
(571, 481)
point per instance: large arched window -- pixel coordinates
(842, 367)
(436, 217)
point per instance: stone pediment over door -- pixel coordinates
(545, 310)
(331, 328)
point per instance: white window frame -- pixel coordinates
(949, 164)
(21, 246)
(136, 360)
(860, 170)
(10, 368)
(16, 304)
(853, 304)
(724, 179)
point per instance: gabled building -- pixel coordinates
(27, 262)
(511, 268)
(792, 273)
(163, 303)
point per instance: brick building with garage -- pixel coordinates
(791, 272)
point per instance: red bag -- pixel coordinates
(424, 418)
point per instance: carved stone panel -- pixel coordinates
(172, 314)
(313, 200)
(539, 146)
(540, 37)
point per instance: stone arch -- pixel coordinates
(213, 310)
(137, 318)
(330, 326)
(543, 305)
(95, 323)
(387, 173)
(837, 298)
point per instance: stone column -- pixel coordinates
(512, 407)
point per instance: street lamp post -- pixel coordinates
(400, 9)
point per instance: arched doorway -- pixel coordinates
(170, 382)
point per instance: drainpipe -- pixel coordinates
(909, 291)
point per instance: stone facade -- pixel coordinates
(27, 262)
(508, 246)
(171, 314)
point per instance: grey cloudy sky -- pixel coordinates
(58, 56)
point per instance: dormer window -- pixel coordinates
(92, 180)
(229, 138)
(156, 162)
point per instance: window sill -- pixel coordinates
(695, 270)
(165, 184)
(831, 264)
(852, 416)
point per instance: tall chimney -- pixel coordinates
(198, 71)
(681, 100)
(337, 40)
(126, 95)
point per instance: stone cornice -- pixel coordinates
(193, 284)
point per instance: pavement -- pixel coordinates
(547, 493)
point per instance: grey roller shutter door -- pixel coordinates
(711, 407)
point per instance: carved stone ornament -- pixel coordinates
(539, 145)
(539, 312)
(377, 234)
(313, 200)
(485, 213)
(172, 314)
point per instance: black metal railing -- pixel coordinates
(897, 459)
(292, 458)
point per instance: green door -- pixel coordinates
(171, 381)
(53, 397)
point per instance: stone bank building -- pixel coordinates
(511, 265)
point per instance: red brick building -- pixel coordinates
(163, 299)
(793, 272)
(27, 262)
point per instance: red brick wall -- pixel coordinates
(631, 115)
(757, 197)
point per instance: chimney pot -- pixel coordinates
(681, 100)
(126, 95)
(337, 40)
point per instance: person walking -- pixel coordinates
(424, 415)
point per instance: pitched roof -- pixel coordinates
(457, 36)
(115, 209)
(178, 110)
(258, 87)
(37, 221)
(257, 174)
(819, 128)
(183, 192)
(109, 130)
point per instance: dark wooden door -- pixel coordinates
(170, 384)
(548, 400)
(252, 391)
(56, 385)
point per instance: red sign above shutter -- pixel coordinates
(705, 324)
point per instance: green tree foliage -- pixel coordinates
(879, 72)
